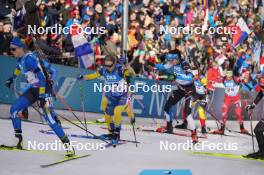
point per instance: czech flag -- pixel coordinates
(242, 32)
(82, 47)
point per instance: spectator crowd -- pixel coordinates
(147, 45)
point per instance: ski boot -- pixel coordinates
(243, 130)
(194, 137)
(167, 129)
(111, 129)
(221, 131)
(106, 136)
(182, 126)
(18, 140)
(68, 147)
(115, 137)
(203, 130)
(256, 155)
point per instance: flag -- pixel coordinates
(242, 32)
(183, 6)
(257, 52)
(206, 8)
(206, 13)
(82, 47)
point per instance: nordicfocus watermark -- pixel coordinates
(58, 146)
(201, 146)
(205, 29)
(58, 29)
(123, 87)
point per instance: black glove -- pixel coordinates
(249, 107)
(42, 102)
(9, 82)
(133, 120)
(203, 103)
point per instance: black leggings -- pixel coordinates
(176, 96)
(259, 129)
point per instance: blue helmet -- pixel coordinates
(17, 42)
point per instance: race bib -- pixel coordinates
(232, 91)
(31, 77)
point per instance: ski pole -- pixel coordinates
(134, 132)
(210, 104)
(83, 105)
(62, 100)
(251, 128)
(96, 136)
(64, 118)
(214, 117)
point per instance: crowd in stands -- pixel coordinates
(147, 45)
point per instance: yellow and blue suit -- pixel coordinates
(114, 102)
(200, 96)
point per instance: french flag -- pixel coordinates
(206, 8)
(242, 32)
(82, 47)
(206, 13)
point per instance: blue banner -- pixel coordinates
(165, 171)
(145, 104)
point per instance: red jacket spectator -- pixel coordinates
(261, 62)
(213, 76)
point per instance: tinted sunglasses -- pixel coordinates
(13, 49)
(108, 66)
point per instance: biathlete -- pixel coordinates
(185, 89)
(114, 75)
(39, 89)
(232, 96)
(200, 98)
(259, 129)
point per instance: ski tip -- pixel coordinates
(66, 159)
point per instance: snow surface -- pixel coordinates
(125, 159)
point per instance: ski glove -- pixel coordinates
(133, 120)
(249, 107)
(203, 103)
